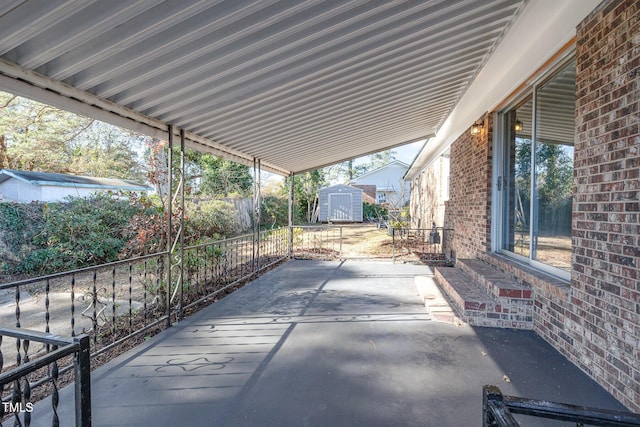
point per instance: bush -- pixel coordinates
(374, 212)
(275, 212)
(68, 235)
(19, 222)
(209, 220)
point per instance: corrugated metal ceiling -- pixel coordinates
(297, 84)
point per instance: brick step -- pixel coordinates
(494, 281)
(435, 302)
(475, 306)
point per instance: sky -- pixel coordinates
(408, 152)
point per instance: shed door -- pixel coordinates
(340, 207)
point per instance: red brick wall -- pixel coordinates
(468, 211)
(428, 194)
(602, 320)
(594, 322)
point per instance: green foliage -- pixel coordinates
(65, 236)
(374, 212)
(275, 211)
(554, 170)
(398, 224)
(18, 224)
(305, 190)
(210, 219)
(37, 135)
(147, 229)
(553, 182)
(107, 151)
(221, 177)
(350, 169)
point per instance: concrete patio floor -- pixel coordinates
(315, 343)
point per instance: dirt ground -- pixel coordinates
(365, 241)
(359, 241)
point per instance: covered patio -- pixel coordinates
(318, 343)
(288, 87)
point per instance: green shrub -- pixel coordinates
(63, 236)
(373, 212)
(275, 212)
(210, 220)
(19, 222)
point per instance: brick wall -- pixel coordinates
(599, 327)
(594, 322)
(468, 210)
(428, 193)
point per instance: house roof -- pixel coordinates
(64, 180)
(395, 163)
(297, 84)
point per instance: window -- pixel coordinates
(382, 197)
(534, 177)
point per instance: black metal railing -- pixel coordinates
(110, 302)
(498, 410)
(317, 242)
(425, 244)
(215, 267)
(35, 369)
(115, 302)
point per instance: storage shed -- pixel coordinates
(340, 203)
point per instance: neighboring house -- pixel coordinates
(340, 203)
(368, 193)
(542, 180)
(390, 185)
(27, 186)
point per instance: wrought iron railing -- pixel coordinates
(111, 302)
(425, 244)
(317, 242)
(114, 302)
(498, 410)
(215, 267)
(36, 369)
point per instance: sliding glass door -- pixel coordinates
(535, 174)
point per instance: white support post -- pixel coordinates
(290, 243)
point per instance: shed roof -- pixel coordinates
(341, 187)
(298, 84)
(64, 180)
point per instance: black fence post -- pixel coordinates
(82, 368)
(393, 245)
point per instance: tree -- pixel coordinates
(380, 159)
(353, 168)
(37, 136)
(305, 190)
(553, 184)
(554, 174)
(222, 177)
(107, 151)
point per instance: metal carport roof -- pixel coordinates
(297, 84)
